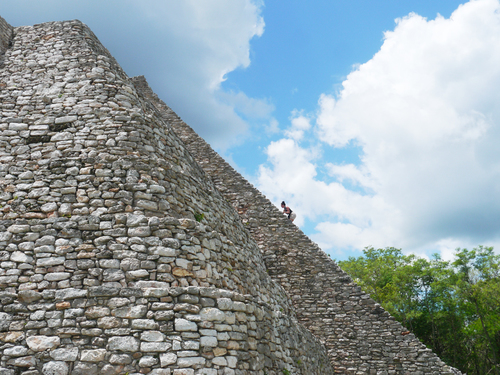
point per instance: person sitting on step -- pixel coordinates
(287, 211)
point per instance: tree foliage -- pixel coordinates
(452, 306)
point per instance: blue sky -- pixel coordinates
(376, 121)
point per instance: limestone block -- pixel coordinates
(155, 346)
(190, 361)
(41, 343)
(139, 231)
(185, 325)
(70, 293)
(147, 361)
(21, 228)
(152, 336)
(120, 359)
(207, 371)
(64, 354)
(11, 337)
(123, 343)
(160, 371)
(168, 359)
(109, 322)
(212, 314)
(16, 351)
(209, 341)
(144, 324)
(183, 372)
(97, 312)
(95, 355)
(225, 303)
(130, 312)
(28, 361)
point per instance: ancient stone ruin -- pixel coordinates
(128, 246)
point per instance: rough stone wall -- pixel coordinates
(5, 36)
(117, 254)
(360, 336)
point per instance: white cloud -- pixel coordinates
(425, 112)
(203, 42)
(250, 107)
(300, 124)
(273, 127)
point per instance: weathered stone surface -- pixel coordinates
(28, 361)
(131, 312)
(64, 354)
(41, 343)
(125, 344)
(95, 355)
(70, 293)
(212, 314)
(152, 336)
(190, 361)
(55, 368)
(168, 359)
(15, 351)
(28, 296)
(11, 337)
(185, 325)
(155, 347)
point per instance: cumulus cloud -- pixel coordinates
(203, 42)
(300, 124)
(424, 111)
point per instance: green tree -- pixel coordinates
(478, 287)
(453, 307)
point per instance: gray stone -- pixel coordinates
(120, 359)
(94, 355)
(148, 347)
(130, 312)
(50, 261)
(168, 359)
(20, 257)
(125, 344)
(152, 336)
(144, 324)
(85, 368)
(28, 361)
(15, 351)
(147, 361)
(55, 368)
(160, 371)
(224, 303)
(64, 354)
(139, 232)
(65, 119)
(19, 228)
(185, 325)
(190, 361)
(49, 207)
(212, 314)
(41, 343)
(70, 293)
(209, 341)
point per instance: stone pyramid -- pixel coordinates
(128, 246)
